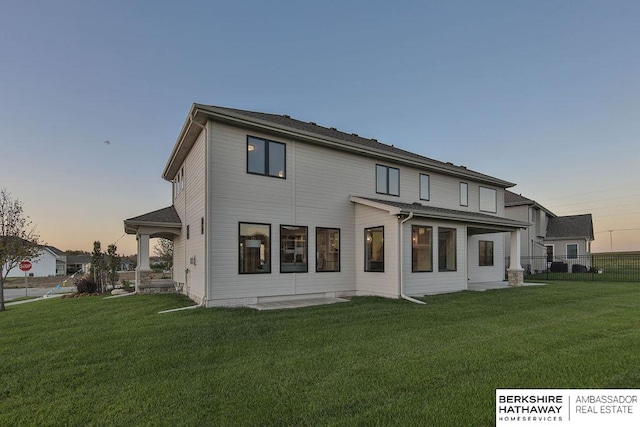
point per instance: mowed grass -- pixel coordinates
(372, 361)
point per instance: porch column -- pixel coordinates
(143, 271)
(515, 273)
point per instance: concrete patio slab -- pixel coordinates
(485, 286)
(278, 305)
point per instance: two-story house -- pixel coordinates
(267, 207)
(549, 238)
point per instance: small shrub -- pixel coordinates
(86, 286)
(126, 285)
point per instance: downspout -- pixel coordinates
(203, 301)
(401, 274)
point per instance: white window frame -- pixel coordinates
(464, 194)
(487, 191)
(425, 190)
(567, 250)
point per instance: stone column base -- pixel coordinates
(515, 277)
(144, 279)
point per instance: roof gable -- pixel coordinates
(571, 226)
(167, 215)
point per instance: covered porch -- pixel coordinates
(460, 265)
(163, 223)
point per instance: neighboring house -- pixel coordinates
(127, 264)
(569, 236)
(78, 263)
(266, 208)
(51, 262)
(548, 238)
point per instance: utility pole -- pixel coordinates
(610, 240)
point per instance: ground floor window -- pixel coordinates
(327, 249)
(293, 249)
(572, 251)
(374, 249)
(421, 248)
(486, 253)
(255, 241)
(549, 253)
(447, 249)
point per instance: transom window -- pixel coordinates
(293, 249)
(266, 157)
(374, 249)
(421, 248)
(424, 187)
(488, 200)
(387, 180)
(486, 253)
(254, 247)
(327, 249)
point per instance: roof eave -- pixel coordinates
(130, 226)
(201, 113)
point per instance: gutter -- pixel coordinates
(401, 273)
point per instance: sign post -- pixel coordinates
(25, 266)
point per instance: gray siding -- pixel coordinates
(424, 283)
(315, 193)
(493, 273)
(190, 206)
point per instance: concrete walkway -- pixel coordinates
(13, 293)
(479, 287)
(299, 303)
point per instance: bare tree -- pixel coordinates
(164, 250)
(19, 241)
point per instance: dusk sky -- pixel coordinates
(545, 94)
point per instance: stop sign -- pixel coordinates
(25, 266)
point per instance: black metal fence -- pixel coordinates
(614, 267)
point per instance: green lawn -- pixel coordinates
(373, 361)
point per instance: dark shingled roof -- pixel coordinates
(511, 199)
(571, 226)
(456, 215)
(285, 120)
(284, 123)
(167, 215)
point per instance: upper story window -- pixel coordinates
(387, 180)
(424, 187)
(488, 200)
(464, 194)
(266, 157)
(534, 213)
(178, 182)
